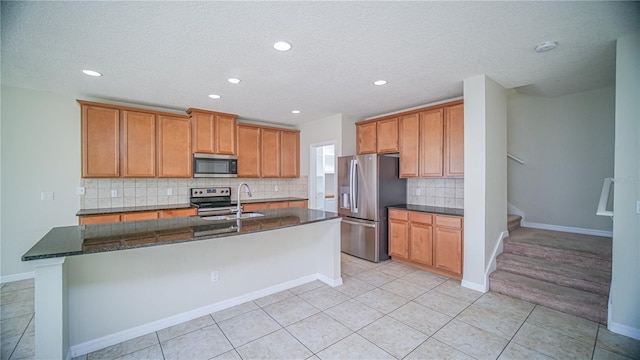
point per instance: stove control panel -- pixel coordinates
(210, 192)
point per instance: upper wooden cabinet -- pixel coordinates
(213, 132)
(100, 128)
(387, 136)
(431, 141)
(454, 140)
(174, 147)
(138, 144)
(268, 152)
(366, 137)
(120, 141)
(290, 154)
(249, 160)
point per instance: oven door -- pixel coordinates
(208, 165)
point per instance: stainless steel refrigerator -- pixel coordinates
(368, 184)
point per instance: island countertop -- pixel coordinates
(88, 239)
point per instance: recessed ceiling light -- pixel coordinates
(295, 111)
(214, 96)
(546, 46)
(234, 81)
(91, 73)
(282, 46)
(380, 82)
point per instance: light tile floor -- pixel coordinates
(382, 311)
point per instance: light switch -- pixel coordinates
(638, 207)
(80, 190)
(46, 195)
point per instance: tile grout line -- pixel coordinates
(160, 345)
(33, 315)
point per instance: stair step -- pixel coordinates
(513, 222)
(575, 249)
(588, 279)
(571, 301)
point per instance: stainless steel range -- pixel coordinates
(212, 201)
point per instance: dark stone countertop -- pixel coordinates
(83, 212)
(429, 209)
(88, 239)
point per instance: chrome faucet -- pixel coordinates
(239, 211)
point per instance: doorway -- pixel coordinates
(323, 177)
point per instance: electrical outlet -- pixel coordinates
(169, 191)
(638, 207)
(215, 276)
(80, 190)
(275, 188)
(46, 195)
(417, 191)
(114, 193)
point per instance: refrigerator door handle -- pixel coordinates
(358, 223)
(354, 186)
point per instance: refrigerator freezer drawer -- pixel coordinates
(360, 238)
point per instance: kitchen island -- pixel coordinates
(98, 285)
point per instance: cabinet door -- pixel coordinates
(299, 203)
(421, 243)
(248, 151)
(290, 154)
(100, 141)
(225, 135)
(270, 153)
(177, 213)
(448, 249)
(409, 145)
(398, 238)
(99, 219)
(366, 138)
(174, 147)
(454, 141)
(203, 129)
(255, 207)
(279, 205)
(138, 144)
(431, 139)
(387, 136)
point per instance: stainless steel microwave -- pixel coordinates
(208, 165)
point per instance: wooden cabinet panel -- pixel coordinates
(409, 136)
(448, 249)
(142, 215)
(225, 135)
(421, 243)
(290, 154)
(431, 142)
(98, 219)
(398, 238)
(279, 205)
(300, 203)
(366, 138)
(177, 213)
(398, 214)
(100, 141)
(454, 141)
(387, 136)
(138, 144)
(249, 161)
(174, 147)
(270, 153)
(203, 129)
(255, 207)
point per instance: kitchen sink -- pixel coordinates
(245, 215)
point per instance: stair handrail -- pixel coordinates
(604, 198)
(516, 159)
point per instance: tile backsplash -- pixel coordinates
(436, 192)
(154, 191)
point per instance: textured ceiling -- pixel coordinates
(173, 54)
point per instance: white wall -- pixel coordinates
(624, 312)
(40, 152)
(567, 143)
(485, 170)
(325, 130)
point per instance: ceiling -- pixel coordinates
(174, 54)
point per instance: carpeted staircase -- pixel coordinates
(563, 271)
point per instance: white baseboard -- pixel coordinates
(121, 336)
(625, 330)
(497, 250)
(512, 210)
(568, 229)
(17, 277)
(474, 286)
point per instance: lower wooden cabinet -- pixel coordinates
(427, 241)
(275, 205)
(135, 216)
